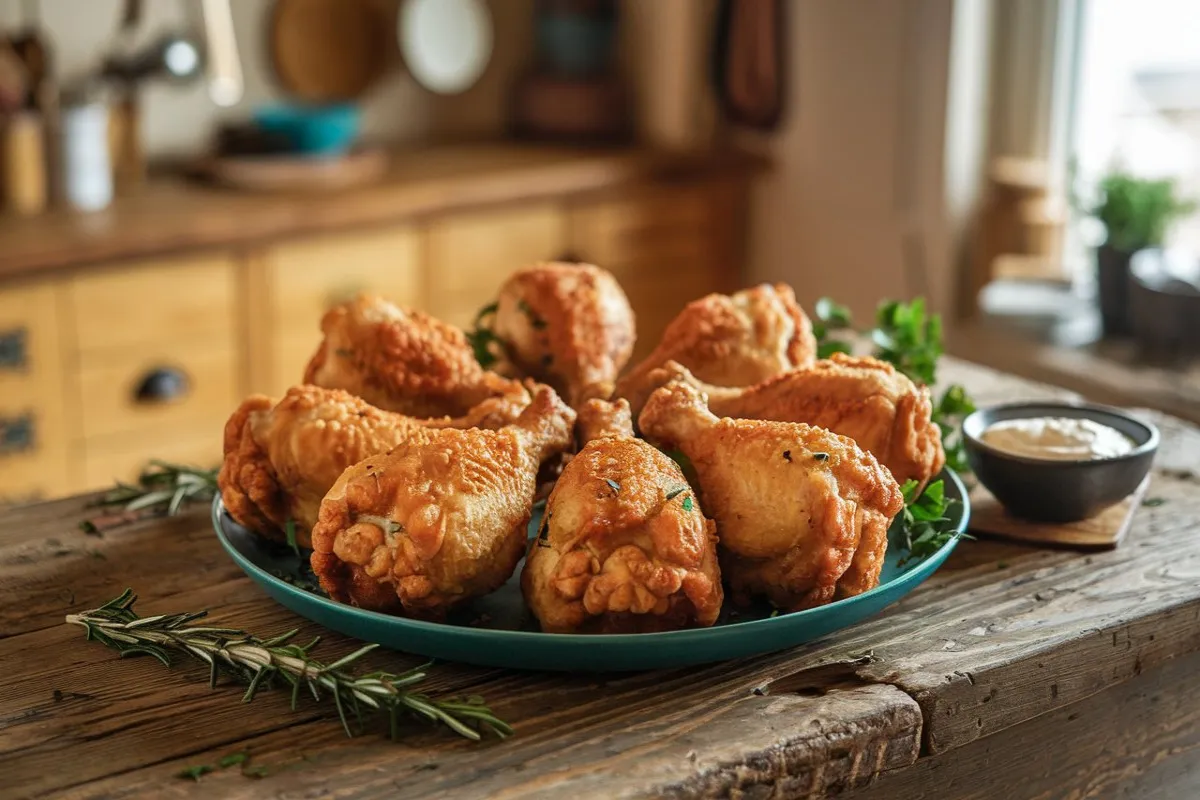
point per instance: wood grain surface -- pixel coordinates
(172, 215)
(1003, 635)
(1104, 530)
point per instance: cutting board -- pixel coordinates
(1103, 531)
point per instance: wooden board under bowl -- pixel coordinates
(1103, 531)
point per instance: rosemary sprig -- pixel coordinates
(258, 663)
(164, 487)
(923, 521)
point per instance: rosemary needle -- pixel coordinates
(163, 487)
(258, 663)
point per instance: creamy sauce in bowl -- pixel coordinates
(1057, 439)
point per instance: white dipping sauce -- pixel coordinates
(1057, 438)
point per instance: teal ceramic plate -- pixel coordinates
(497, 630)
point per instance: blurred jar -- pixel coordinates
(86, 166)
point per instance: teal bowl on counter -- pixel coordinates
(498, 631)
(313, 130)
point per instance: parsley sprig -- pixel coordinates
(910, 338)
(923, 520)
(482, 338)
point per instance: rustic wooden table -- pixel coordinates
(1014, 672)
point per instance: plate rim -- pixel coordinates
(918, 574)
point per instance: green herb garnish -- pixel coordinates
(195, 772)
(289, 530)
(923, 520)
(1154, 502)
(263, 663)
(831, 317)
(687, 503)
(233, 759)
(616, 487)
(675, 493)
(481, 337)
(163, 487)
(821, 456)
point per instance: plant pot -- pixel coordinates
(1112, 283)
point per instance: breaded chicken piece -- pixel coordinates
(281, 458)
(402, 360)
(439, 519)
(568, 325)
(802, 514)
(864, 398)
(730, 340)
(623, 545)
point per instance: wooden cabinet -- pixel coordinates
(291, 285)
(157, 351)
(33, 443)
(470, 254)
(666, 245)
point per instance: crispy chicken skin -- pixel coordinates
(281, 458)
(861, 397)
(730, 340)
(439, 519)
(624, 546)
(802, 513)
(568, 325)
(401, 360)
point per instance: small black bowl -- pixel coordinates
(1048, 490)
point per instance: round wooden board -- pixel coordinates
(297, 173)
(326, 51)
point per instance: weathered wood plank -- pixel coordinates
(793, 746)
(1140, 739)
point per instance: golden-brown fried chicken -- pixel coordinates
(730, 340)
(623, 545)
(864, 398)
(401, 360)
(281, 458)
(802, 514)
(568, 325)
(439, 519)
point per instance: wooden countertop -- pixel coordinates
(170, 215)
(1005, 643)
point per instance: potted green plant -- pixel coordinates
(1136, 213)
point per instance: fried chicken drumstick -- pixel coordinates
(401, 360)
(802, 514)
(281, 458)
(730, 340)
(568, 325)
(439, 519)
(623, 546)
(864, 398)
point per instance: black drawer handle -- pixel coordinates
(17, 434)
(163, 385)
(14, 349)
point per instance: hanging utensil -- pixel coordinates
(225, 81)
(748, 61)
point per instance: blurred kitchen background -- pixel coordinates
(185, 185)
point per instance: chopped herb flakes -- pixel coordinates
(676, 492)
(616, 487)
(290, 531)
(687, 503)
(821, 456)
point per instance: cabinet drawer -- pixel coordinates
(33, 440)
(110, 399)
(306, 278)
(33, 458)
(105, 463)
(186, 300)
(471, 254)
(295, 283)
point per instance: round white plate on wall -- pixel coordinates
(445, 43)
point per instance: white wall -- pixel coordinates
(877, 161)
(180, 119)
